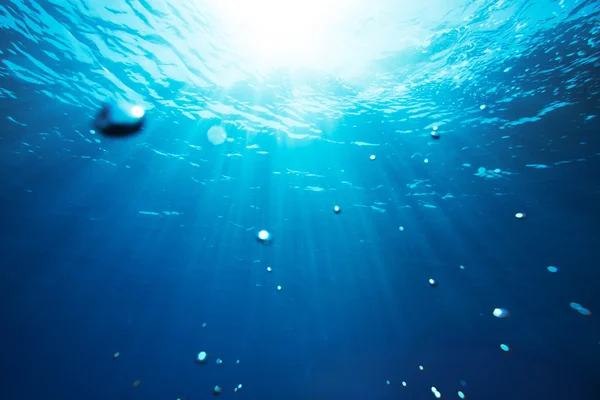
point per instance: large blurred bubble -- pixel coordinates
(216, 135)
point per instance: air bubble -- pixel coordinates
(264, 237)
(582, 310)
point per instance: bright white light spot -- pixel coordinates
(292, 33)
(263, 235)
(426, 160)
(137, 111)
(482, 107)
(372, 157)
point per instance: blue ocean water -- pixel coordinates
(122, 259)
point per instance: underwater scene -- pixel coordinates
(299, 199)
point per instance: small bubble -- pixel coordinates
(372, 157)
(482, 107)
(401, 228)
(582, 310)
(501, 313)
(201, 357)
(264, 237)
(552, 269)
(504, 347)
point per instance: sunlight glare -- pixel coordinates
(290, 33)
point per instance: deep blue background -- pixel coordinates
(83, 274)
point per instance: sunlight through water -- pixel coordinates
(322, 35)
(419, 176)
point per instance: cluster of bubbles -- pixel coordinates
(437, 394)
(201, 359)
